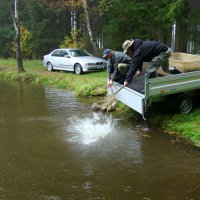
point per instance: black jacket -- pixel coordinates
(143, 51)
(117, 57)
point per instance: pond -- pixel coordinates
(52, 147)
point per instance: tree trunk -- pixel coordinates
(173, 37)
(17, 39)
(92, 39)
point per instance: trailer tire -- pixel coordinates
(186, 105)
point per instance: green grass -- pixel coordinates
(26, 63)
(94, 84)
(186, 126)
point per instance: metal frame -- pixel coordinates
(156, 89)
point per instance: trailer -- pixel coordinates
(179, 88)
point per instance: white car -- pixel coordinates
(76, 60)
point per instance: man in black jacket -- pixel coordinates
(146, 51)
(118, 65)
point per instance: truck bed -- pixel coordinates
(143, 91)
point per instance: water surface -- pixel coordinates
(52, 147)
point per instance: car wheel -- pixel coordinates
(78, 69)
(49, 67)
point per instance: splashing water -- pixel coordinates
(91, 128)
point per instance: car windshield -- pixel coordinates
(79, 52)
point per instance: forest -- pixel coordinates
(97, 24)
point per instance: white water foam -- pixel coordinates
(90, 129)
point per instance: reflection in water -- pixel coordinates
(91, 128)
(59, 100)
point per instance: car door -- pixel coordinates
(55, 57)
(65, 62)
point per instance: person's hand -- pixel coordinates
(138, 73)
(110, 83)
(125, 83)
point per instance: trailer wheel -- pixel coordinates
(186, 105)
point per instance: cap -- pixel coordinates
(106, 52)
(127, 44)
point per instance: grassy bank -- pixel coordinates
(84, 85)
(91, 84)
